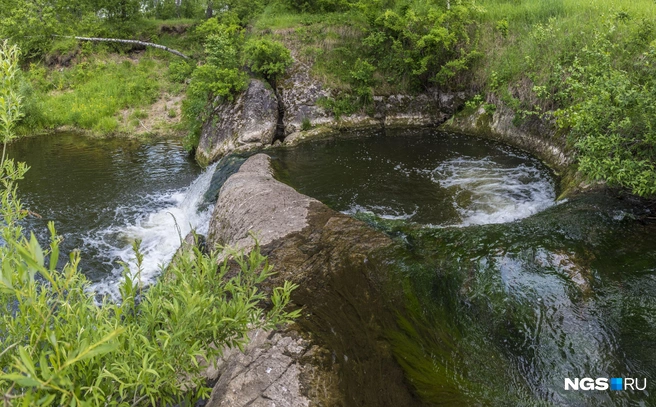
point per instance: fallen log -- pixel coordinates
(145, 44)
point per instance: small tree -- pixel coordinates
(10, 99)
(267, 58)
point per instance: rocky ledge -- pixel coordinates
(260, 114)
(336, 353)
(248, 122)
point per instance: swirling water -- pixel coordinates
(510, 292)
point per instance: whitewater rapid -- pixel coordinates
(160, 231)
(485, 192)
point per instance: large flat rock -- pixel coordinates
(341, 265)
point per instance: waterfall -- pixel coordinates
(160, 233)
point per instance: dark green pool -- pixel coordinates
(509, 292)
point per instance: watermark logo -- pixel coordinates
(602, 383)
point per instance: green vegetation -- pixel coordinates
(221, 76)
(267, 58)
(10, 98)
(589, 66)
(89, 95)
(61, 348)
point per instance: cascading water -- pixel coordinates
(102, 194)
(160, 232)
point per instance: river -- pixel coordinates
(508, 291)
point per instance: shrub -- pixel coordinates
(180, 71)
(424, 44)
(61, 348)
(611, 116)
(267, 58)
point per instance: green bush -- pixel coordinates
(267, 58)
(61, 348)
(180, 71)
(611, 116)
(422, 44)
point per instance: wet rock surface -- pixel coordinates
(341, 267)
(535, 135)
(248, 122)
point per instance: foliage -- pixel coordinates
(425, 44)
(218, 79)
(318, 6)
(306, 124)
(267, 58)
(10, 97)
(611, 116)
(180, 71)
(169, 9)
(90, 94)
(63, 349)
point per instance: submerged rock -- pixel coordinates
(341, 267)
(248, 122)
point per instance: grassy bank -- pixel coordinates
(105, 89)
(586, 66)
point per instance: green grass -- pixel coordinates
(328, 42)
(91, 94)
(543, 33)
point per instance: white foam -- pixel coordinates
(485, 192)
(160, 233)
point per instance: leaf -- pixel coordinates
(105, 345)
(27, 360)
(21, 380)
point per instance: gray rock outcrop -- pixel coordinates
(248, 122)
(266, 374)
(535, 135)
(252, 201)
(299, 93)
(336, 353)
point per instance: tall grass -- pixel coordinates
(543, 34)
(91, 94)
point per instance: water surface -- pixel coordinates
(103, 194)
(421, 176)
(508, 292)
